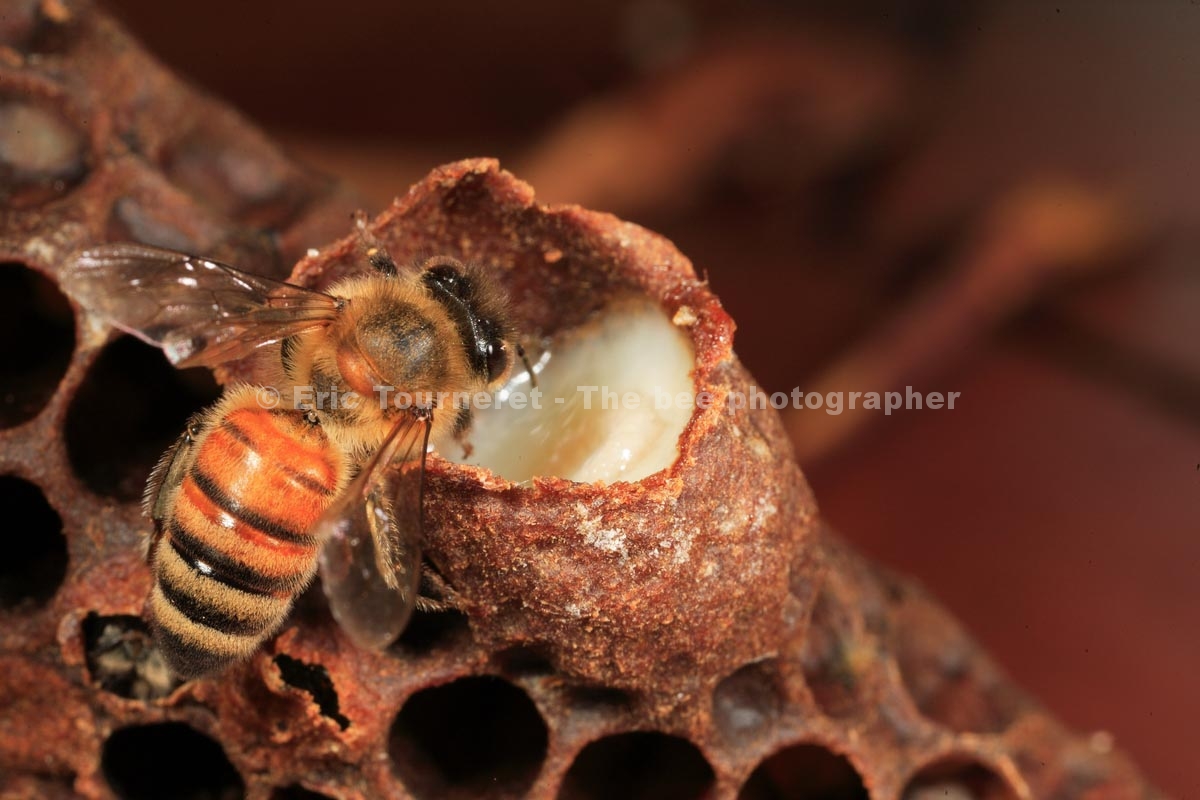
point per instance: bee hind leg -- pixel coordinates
(168, 476)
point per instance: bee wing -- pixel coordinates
(200, 312)
(371, 559)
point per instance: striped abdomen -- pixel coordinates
(234, 548)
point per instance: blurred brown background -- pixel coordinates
(901, 175)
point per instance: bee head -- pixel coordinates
(474, 303)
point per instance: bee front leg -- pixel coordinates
(462, 426)
(434, 594)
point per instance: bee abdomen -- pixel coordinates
(237, 546)
(202, 619)
(256, 487)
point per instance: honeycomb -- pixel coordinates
(733, 647)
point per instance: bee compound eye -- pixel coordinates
(497, 359)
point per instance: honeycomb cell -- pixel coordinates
(804, 772)
(37, 335)
(957, 778)
(642, 765)
(42, 153)
(748, 701)
(129, 409)
(949, 678)
(428, 630)
(478, 736)
(132, 220)
(168, 759)
(254, 183)
(314, 679)
(831, 659)
(35, 556)
(123, 658)
(524, 660)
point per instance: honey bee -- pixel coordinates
(252, 500)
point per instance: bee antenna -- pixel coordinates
(381, 261)
(377, 255)
(528, 366)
